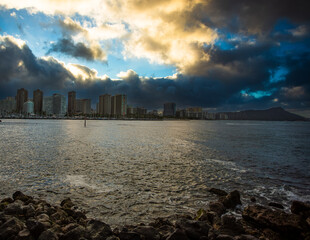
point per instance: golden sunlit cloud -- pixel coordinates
(163, 31)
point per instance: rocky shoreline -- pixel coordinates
(28, 218)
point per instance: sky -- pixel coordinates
(221, 55)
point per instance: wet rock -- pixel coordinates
(253, 199)
(224, 237)
(217, 207)
(231, 200)
(35, 227)
(13, 209)
(29, 210)
(300, 208)
(69, 227)
(77, 233)
(43, 217)
(22, 197)
(217, 191)
(113, 238)
(193, 229)
(129, 236)
(178, 234)
(11, 228)
(279, 221)
(67, 203)
(276, 205)
(98, 230)
(230, 226)
(148, 232)
(24, 234)
(159, 222)
(7, 200)
(246, 237)
(49, 235)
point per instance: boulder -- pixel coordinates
(14, 209)
(286, 224)
(98, 229)
(35, 227)
(10, 228)
(217, 191)
(49, 235)
(24, 234)
(67, 203)
(77, 233)
(193, 229)
(217, 207)
(148, 232)
(22, 197)
(7, 200)
(124, 235)
(230, 226)
(231, 200)
(178, 234)
(276, 205)
(300, 208)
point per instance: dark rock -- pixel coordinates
(11, 228)
(29, 210)
(35, 227)
(224, 237)
(7, 200)
(217, 207)
(77, 233)
(246, 237)
(276, 205)
(253, 199)
(217, 191)
(129, 236)
(98, 230)
(272, 235)
(178, 234)
(148, 232)
(232, 199)
(159, 222)
(230, 226)
(67, 203)
(300, 208)
(24, 235)
(69, 227)
(43, 217)
(14, 209)
(112, 238)
(49, 235)
(193, 229)
(287, 224)
(22, 197)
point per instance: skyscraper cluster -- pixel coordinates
(112, 106)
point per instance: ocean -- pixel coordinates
(125, 172)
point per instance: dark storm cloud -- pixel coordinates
(78, 50)
(229, 72)
(255, 16)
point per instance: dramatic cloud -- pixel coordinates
(78, 50)
(232, 54)
(219, 86)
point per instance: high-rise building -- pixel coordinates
(120, 105)
(21, 97)
(59, 104)
(83, 106)
(7, 105)
(113, 106)
(105, 105)
(169, 109)
(28, 107)
(37, 101)
(71, 103)
(48, 105)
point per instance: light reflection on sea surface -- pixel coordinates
(133, 171)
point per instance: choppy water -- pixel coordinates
(133, 171)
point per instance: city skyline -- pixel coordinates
(218, 55)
